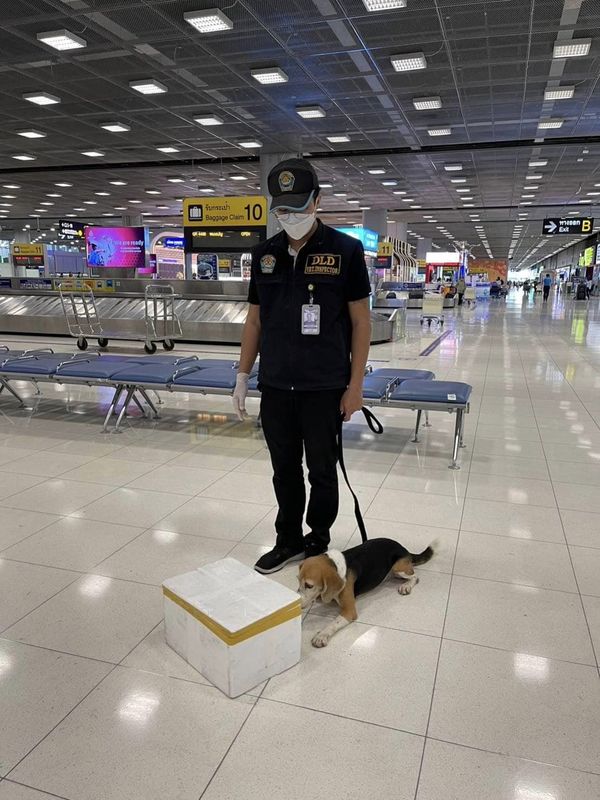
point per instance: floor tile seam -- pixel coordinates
(571, 562)
(551, 764)
(276, 701)
(59, 518)
(31, 611)
(447, 605)
(514, 583)
(229, 748)
(33, 788)
(587, 664)
(58, 651)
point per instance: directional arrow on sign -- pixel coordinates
(551, 227)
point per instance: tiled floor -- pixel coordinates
(481, 685)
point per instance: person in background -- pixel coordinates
(547, 285)
(310, 319)
(460, 290)
(588, 287)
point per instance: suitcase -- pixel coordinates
(581, 292)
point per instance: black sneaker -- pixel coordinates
(313, 549)
(277, 558)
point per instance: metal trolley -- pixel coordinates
(433, 309)
(161, 320)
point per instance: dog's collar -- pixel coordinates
(339, 560)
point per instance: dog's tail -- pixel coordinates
(425, 556)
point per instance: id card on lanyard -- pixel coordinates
(311, 316)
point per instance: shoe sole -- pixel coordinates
(298, 557)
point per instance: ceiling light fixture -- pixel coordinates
(167, 148)
(24, 157)
(175, 179)
(61, 40)
(409, 62)
(463, 191)
(458, 180)
(115, 127)
(209, 121)
(560, 93)
(102, 194)
(338, 139)
(212, 20)
(326, 185)
(574, 48)
(152, 191)
(92, 153)
(148, 86)
(377, 171)
(439, 131)
(400, 191)
(541, 163)
(533, 177)
(384, 5)
(31, 134)
(453, 167)
(269, 75)
(389, 183)
(427, 103)
(118, 183)
(551, 124)
(239, 177)
(41, 98)
(311, 112)
(250, 144)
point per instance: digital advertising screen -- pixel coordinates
(221, 240)
(115, 248)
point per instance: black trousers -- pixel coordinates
(461, 297)
(298, 424)
(546, 293)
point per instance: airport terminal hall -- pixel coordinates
(300, 399)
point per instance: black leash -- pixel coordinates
(377, 428)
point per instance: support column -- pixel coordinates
(398, 230)
(267, 162)
(376, 220)
(424, 246)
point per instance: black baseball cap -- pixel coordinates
(293, 184)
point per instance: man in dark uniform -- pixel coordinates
(309, 317)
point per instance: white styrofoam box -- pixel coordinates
(233, 625)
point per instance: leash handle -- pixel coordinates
(377, 428)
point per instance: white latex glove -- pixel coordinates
(240, 393)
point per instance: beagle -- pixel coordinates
(343, 576)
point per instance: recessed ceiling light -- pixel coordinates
(41, 98)
(326, 185)
(354, 202)
(134, 201)
(206, 190)
(11, 185)
(453, 167)
(533, 186)
(24, 157)
(175, 179)
(107, 214)
(46, 203)
(533, 177)
(212, 20)
(118, 183)
(427, 103)
(409, 62)
(541, 163)
(269, 75)
(399, 191)
(408, 199)
(458, 180)
(250, 144)
(466, 197)
(526, 203)
(31, 134)
(384, 5)
(416, 206)
(102, 194)
(208, 121)
(63, 185)
(311, 112)
(560, 93)
(338, 138)
(364, 208)
(593, 194)
(90, 203)
(239, 177)
(54, 194)
(439, 131)
(389, 182)
(550, 124)
(61, 40)
(152, 191)
(584, 201)
(162, 207)
(120, 208)
(92, 153)
(573, 48)
(528, 196)
(463, 191)
(340, 194)
(168, 148)
(115, 127)
(148, 86)
(14, 196)
(377, 171)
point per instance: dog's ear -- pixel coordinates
(332, 584)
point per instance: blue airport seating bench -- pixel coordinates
(134, 377)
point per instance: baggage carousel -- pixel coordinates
(209, 312)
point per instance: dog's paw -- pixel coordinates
(406, 588)
(320, 640)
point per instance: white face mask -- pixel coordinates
(298, 225)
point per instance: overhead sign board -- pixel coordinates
(225, 212)
(385, 249)
(368, 237)
(70, 229)
(572, 227)
(27, 249)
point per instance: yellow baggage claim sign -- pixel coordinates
(224, 224)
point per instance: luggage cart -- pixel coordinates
(470, 297)
(433, 309)
(161, 320)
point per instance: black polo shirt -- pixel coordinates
(334, 265)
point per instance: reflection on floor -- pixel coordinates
(482, 685)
